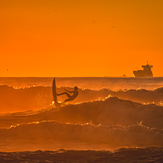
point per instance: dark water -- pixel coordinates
(123, 155)
(111, 120)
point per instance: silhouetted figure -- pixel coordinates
(70, 97)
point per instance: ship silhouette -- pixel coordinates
(146, 72)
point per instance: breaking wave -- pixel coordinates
(54, 135)
(103, 124)
(111, 111)
(35, 98)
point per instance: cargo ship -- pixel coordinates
(146, 72)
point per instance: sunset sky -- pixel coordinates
(71, 38)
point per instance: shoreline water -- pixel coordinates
(123, 155)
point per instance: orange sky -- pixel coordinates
(65, 38)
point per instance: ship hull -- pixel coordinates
(142, 74)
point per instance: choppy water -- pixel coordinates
(108, 114)
(123, 155)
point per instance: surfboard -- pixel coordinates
(54, 92)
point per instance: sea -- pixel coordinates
(113, 119)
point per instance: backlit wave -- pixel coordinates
(36, 98)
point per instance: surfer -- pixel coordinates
(70, 97)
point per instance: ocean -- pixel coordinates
(111, 120)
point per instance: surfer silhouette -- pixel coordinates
(70, 97)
